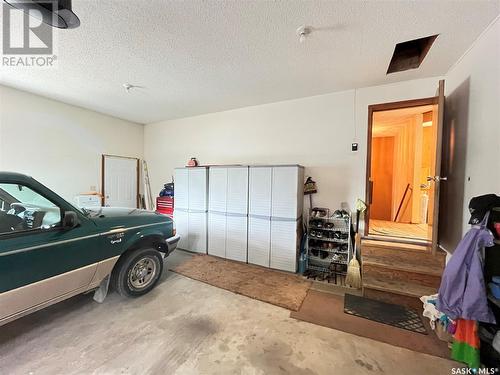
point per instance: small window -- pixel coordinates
(23, 209)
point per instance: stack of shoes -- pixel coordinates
(318, 212)
(341, 214)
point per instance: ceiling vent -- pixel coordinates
(410, 54)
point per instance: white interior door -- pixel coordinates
(236, 238)
(120, 181)
(259, 240)
(217, 234)
(260, 188)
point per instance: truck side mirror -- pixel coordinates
(70, 220)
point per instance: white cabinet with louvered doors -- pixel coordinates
(197, 239)
(287, 192)
(259, 215)
(228, 210)
(259, 240)
(182, 227)
(217, 234)
(237, 190)
(198, 189)
(181, 188)
(275, 209)
(284, 244)
(236, 237)
(190, 208)
(217, 189)
(260, 189)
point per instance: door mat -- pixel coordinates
(327, 310)
(383, 312)
(278, 288)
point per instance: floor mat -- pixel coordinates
(278, 288)
(327, 310)
(383, 312)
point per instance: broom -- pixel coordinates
(353, 277)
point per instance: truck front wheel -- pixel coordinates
(137, 272)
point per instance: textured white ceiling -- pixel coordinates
(196, 57)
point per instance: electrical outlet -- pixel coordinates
(93, 188)
(354, 147)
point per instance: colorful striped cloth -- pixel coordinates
(465, 347)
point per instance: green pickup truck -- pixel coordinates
(51, 250)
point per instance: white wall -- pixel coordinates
(316, 132)
(472, 125)
(58, 144)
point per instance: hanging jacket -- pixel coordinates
(462, 293)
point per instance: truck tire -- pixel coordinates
(137, 272)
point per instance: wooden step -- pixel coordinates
(401, 274)
(402, 255)
(398, 287)
(395, 246)
(432, 269)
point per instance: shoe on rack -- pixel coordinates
(337, 214)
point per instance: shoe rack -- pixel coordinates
(329, 246)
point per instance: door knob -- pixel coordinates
(436, 178)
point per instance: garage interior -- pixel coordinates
(325, 173)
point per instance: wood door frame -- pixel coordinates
(103, 173)
(379, 108)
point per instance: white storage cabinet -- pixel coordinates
(190, 212)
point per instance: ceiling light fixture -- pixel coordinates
(56, 13)
(303, 32)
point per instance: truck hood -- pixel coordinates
(115, 217)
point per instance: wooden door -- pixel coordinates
(436, 179)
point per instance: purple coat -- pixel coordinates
(462, 293)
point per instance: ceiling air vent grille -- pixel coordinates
(410, 54)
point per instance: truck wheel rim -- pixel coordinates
(143, 273)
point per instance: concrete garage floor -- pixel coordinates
(187, 327)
